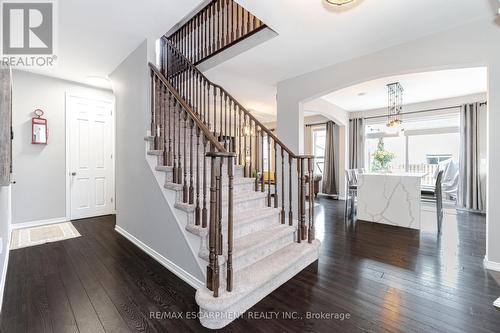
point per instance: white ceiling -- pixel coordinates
(95, 36)
(312, 35)
(419, 87)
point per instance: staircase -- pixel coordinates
(244, 193)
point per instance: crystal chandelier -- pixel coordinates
(339, 2)
(395, 108)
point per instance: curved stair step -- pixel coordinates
(253, 283)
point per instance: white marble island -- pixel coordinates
(390, 198)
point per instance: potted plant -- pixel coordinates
(381, 158)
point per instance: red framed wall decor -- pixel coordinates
(39, 129)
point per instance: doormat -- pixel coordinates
(43, 234)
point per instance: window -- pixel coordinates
(425, 142)
(265, 153)
(319, 143)
(394, 145)
(437, 158)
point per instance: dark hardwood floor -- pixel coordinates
(385, 279)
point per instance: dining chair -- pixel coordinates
(351, 190)
(436, 195)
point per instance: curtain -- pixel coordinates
(469, 187)
(356, 143)
(330, 174)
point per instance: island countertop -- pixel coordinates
(390, 198)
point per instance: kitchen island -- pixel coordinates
(390, 198)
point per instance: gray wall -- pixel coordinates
(40, 170)
(141, 209)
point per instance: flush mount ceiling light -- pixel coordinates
(339, 2)
(98, 81)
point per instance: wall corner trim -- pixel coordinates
(38, 223)
(181, 273)
(4, 271)
(491, 265)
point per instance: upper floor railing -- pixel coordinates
(219, 25)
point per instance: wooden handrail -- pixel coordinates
(245, 111)
(187, 108)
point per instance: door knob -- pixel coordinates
(73, 173)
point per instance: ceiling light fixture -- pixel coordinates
(98, 81)
(339, 2)
(395, 107)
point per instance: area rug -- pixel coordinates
(41, 235)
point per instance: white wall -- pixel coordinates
(473, 44)
(5, 221)
(40, 170)
(141, 209)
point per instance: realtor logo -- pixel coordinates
(28, 28)
(29, 31)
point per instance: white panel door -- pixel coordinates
(91, 157)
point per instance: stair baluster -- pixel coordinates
(299, 203)
(310, 235)
(185, 193)
(282, 215)
(175, 126)
(197, 210)
(275, 175)
(153, 106)
(261, 158)
(169, 124)
(204, 209)
(229, 275)
(191, 162)
(303, 231)
(179, 154)
(290, 210)
(268, 171)
(164, 124)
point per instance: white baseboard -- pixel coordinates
(491, 265)
(497, 303)
(181, 273)
(38, 223)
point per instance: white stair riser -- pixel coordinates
(262, 251)
(238, 207)
(251, 256)
(246, 227)
(238, 187)
(238, 173)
